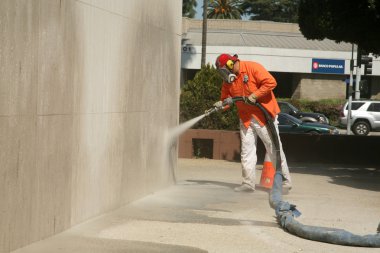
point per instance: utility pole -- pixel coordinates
(350, 91)
(204, 34)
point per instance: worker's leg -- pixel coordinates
(264, 135)
(248, 155)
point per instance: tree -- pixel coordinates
(188, 8)
(199, 94)
(273, 10)
(353, 21)
(225, 9)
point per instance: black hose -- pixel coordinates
(286, 212)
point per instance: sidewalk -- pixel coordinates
(202, 213)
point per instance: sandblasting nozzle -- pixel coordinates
(214, 109)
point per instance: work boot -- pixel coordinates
(286, 184)
(244, 188)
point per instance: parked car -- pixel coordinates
(290, 109)
(290, 124)
(365, 116)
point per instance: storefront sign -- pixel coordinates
(327, 66)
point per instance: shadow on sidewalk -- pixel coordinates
(218, 183)
(365, 178)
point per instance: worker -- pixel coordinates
(251, 80)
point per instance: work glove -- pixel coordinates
(252, 98)
(228, 101)
(218, 104)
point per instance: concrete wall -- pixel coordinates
(298, 148)
(225, 144)
(234, 24)
(87, 87)
(316, 87)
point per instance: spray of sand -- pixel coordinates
(169, 140)
(175, 132)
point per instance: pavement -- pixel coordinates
(202, 213)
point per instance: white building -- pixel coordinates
(303, 68)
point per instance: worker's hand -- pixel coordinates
(252, 98)
(218, 104)
(228, 101)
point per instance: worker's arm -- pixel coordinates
(265, 81)
(225, 94)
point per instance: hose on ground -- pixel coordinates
(286, 212)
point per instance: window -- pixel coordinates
(284, 108)
(374, 107)
(203, 148)
(283, 121)
(355, 105)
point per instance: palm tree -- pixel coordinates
(225, 9)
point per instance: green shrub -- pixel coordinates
(199, 95)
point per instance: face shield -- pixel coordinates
(226, 74)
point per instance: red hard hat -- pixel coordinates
(223, 59)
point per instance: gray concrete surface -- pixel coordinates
(202, 213)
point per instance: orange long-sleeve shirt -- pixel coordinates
(253, 78)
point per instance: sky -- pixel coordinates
(199, 9)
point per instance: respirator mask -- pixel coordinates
(226, 74)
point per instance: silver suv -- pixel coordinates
(365, 116)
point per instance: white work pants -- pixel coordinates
(248, 150)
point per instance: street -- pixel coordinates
(344, 131)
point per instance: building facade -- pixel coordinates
(303, 68)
